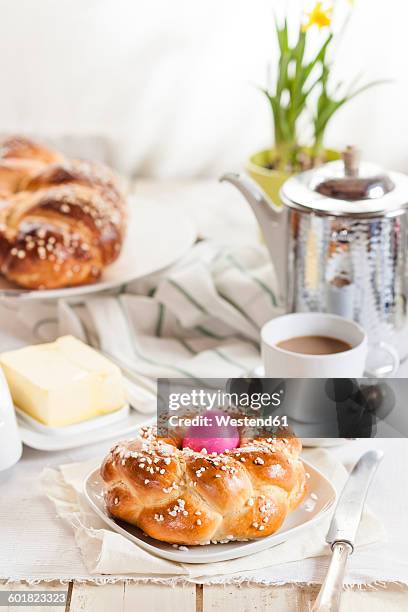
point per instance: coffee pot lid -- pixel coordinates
(348, 188)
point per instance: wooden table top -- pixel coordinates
(121, 597)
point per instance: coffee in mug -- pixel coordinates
(314, 345)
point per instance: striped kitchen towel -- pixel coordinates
(199, 318)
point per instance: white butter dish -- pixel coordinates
(77, 428)
(35, 438)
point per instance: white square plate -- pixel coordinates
(311, 511)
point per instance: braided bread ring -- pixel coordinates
(61, 221)
(184, 497)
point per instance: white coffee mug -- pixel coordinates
(281, 363)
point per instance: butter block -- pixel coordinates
(63, 382)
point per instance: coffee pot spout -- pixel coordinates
(272, 220)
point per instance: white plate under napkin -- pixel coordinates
(320, 498)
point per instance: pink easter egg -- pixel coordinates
(214, 437)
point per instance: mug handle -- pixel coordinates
(386, 370)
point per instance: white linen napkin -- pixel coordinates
(199, 318)
(107, 552)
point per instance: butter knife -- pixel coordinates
(343, 529)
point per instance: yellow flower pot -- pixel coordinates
(271, 181)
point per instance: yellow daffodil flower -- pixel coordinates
(318, 16)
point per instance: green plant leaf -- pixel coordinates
(327, 106)
(282, 35)
(363, 88)
(297, 82)
(319, 58)
(283, 78)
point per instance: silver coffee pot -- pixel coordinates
(339, 242)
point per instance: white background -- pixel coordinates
(167, 88)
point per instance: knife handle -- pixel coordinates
(328, 599)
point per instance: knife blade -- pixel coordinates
(343, 529)
(347, 517)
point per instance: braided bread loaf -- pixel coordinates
(61, 220)
(185, 497)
